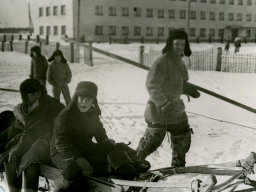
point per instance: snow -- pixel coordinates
(122, 97)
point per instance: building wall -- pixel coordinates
(96, 15)
(57, 22)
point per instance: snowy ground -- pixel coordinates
(122, 97)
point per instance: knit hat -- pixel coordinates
(30, 86)
(57, 53)
(86, 89)
(177, 34)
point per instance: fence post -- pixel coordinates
(90, 54)
(28, 37)
(57, 45)
(142, 40)
(11, 45)
(157, 40)
(26, 47)
(4, 38)
(20, 37)
(40, 44)
(125, 39)
(110, 40)
(37, 38)
(219, 53)
(12, 37)
(47, 40)
(141, 54)
(72, 52)
(3, 45)
(198, 40)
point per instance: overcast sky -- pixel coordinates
(14, 13)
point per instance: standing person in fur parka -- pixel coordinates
(59, 75)
(39, 65)
(165, 111)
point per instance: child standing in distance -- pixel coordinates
(39, 65)
(59, 75)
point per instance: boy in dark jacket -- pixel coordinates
(165, 111)
(34, 120)
(39, 65)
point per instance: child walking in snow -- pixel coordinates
(59, 75)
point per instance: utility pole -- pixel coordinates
(188, 18)
(30, 20)
(78, 20)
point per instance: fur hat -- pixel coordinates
(36, 49)
(86, 89)
(57, 53)
(177, 34)
(30, 86)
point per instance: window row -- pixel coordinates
(182, 14)
(55, 11)
(230, 2)
(150, 31)
(52, 30)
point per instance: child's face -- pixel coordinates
(34, 54)
(84, 103)
(57, 58)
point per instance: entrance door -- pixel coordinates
(234, 34)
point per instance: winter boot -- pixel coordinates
(180, 145)
(248, 163)
(151, 140)
(31, 178)
(14, 183)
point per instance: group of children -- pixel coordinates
(58, 74)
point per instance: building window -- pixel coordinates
(160, 13)
(239, 17)
(137, 31)
(55, 30)
(41, 30)
(171, 13)
(212, 32)
(202, 15)
(55, 10)
(41, 11)
(230, 16)
(137, 12)
(125, 30)
(48, 12)
(221, 33)
(112, 11)
(98, 30)
(203, 1)
(221, 17)
(112, 30)
(192, 32)
(182, 14)
(125, 11)
(149, 13)
(192, 14)
(193, 1)
(248, 33)
(160, 31)
(63, 10)
(240, 2)
(48, 30)
(149, 31)
(222, 1)
(202, 32)
(98, 10)
(248, 17)
(249, 2)
(213, 1)
(63, 30)
(231, 2)
(212, 15)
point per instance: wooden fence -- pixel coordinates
(213, 59)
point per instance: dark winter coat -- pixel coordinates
(32, 126)
(59, 74)
(38, 69)
(74, 131)
(165, 83)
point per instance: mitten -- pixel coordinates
(193, 92)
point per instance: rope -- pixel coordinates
(222, 121)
